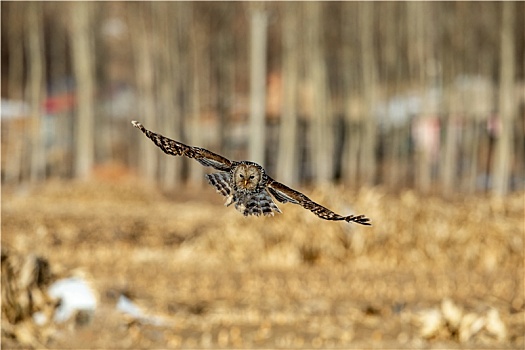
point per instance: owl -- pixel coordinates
(245, 184)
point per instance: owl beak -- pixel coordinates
(246, 182)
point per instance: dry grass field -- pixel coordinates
(430, 272)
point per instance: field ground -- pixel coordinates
(429, 272)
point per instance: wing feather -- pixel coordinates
(285, 194)
(221, 182)
(176, 148)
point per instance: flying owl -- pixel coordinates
(246, 184)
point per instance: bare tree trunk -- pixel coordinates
(258, 37)
(225, 72)
(391, 162)
(450, 154)
(504, 151)
(354, 142)
(407, 160)
(483, 105)
(60, 163)
(351, 150)
(417, 63)
(35, 87)
(170, 82)
(83, 69)
(472, 138)
(102, 136)
(15, 36)
(451, 64)
(13, 144)
(200, 68)
(322, 136)
(143, 47)
(287, 162)
(370, 76)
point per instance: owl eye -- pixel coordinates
(241, 176)
(252, 177)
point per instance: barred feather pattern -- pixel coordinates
(221, 182)
(246, 183)
(285, 194)
(257, 203)
(248, 203)
(176, 148)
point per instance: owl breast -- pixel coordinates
(258, 203)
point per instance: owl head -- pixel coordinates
(247, 176)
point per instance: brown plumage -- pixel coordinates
(245, 183)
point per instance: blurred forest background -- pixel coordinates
(412, 113)
(404, 94)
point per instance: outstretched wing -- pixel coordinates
(285, 194)
(175, 148)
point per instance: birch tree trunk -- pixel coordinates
(472, 136)
(224, 70)
(99, 56)
(416, 13)
(13, 144)
(200, 68)
(57, 53)
(142, 40)
(450, 153)
(258, 37)
(83, 69)
(350, 166)
(370, 76)
(35, 86)
(392, 163)
(504, 151)
(287, 162)
(170, 81)
(322, 140)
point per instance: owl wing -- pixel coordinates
(175, 148)
(285, 194)
(221, 182)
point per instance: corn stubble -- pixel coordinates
(429, 272)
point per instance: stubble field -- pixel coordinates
(429, 272)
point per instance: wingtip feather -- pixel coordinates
(359, 219)
(139, 126)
